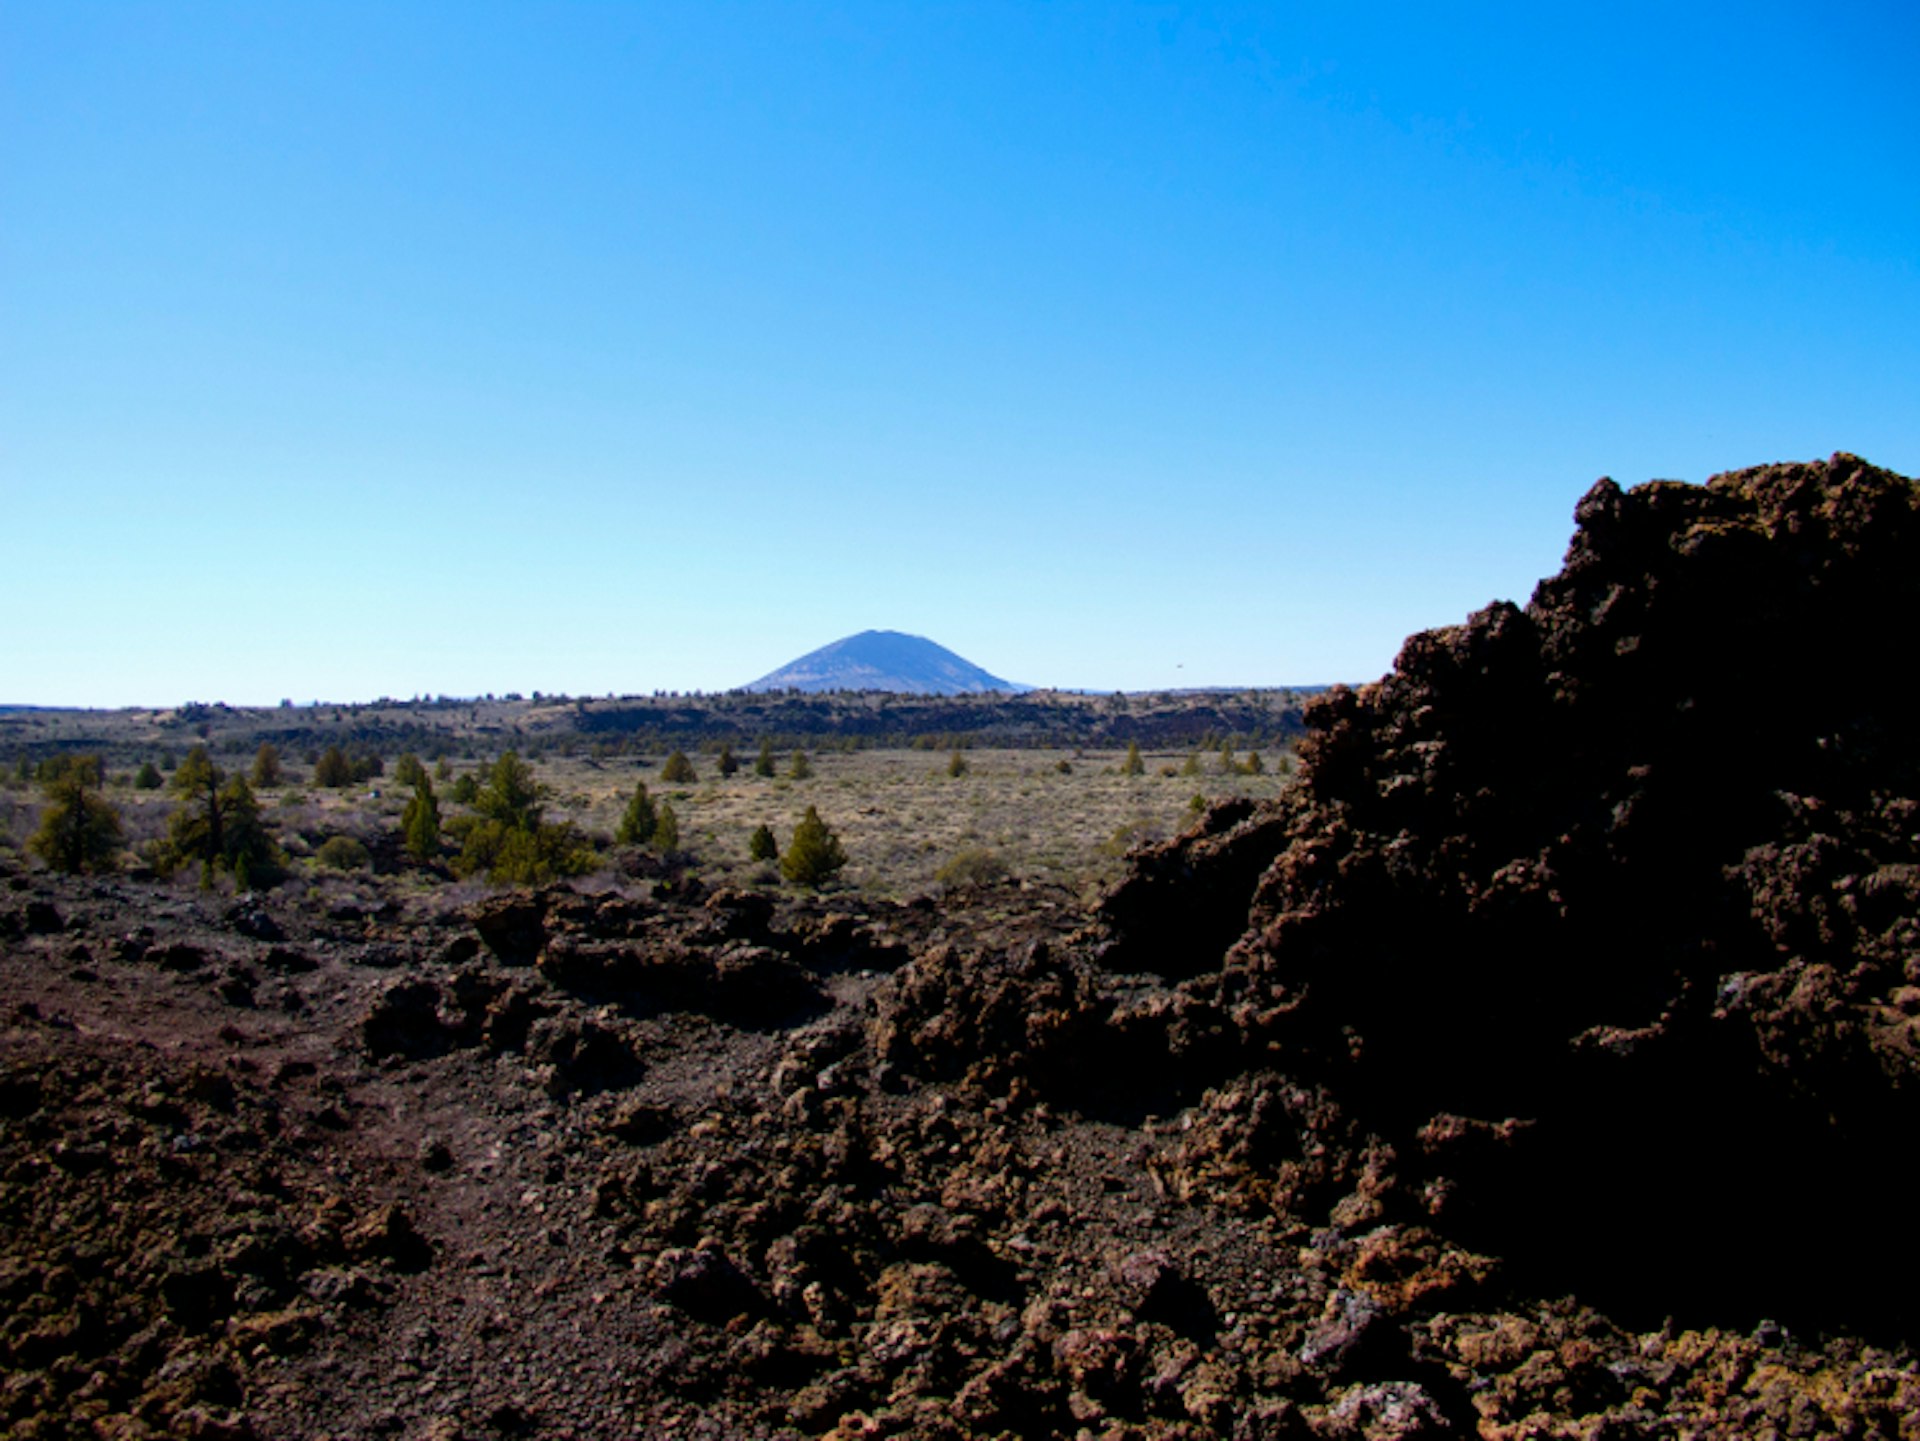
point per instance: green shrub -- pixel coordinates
(407, 771)
(666, 830)
(763, 763)
(677, 769)
(957, 764)
(342, 853)
(726, 764)
(974, 866)
(148, 777)
(801, 768)
(1133, 765)
(761, 846)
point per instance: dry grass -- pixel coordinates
(901, 816)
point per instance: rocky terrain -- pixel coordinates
(1543, 1064)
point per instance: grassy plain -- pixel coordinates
(902, 817)
(1062, 816)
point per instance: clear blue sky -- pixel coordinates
(361, 349)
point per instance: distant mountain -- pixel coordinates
(883, 660)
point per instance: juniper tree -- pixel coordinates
(814, 853)
(726, 764)
(666, 830)
(1133, 765)
(677, 769)
(266, 765)
(761, 846)
(79, 830)
(218, 822)
(638, 824)
(957, 766)
(801, 768)
(420, 822)
(148, 777)
(763, 763)
(333, 769)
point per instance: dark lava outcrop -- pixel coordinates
(1604, 914)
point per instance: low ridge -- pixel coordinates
(883, 660)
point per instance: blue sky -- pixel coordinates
(350, 350)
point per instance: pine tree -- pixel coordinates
(666, 830)
(79, 830)
(801, 768)
(761, 846)
(814, 853)
(420, 822)
(677, 769)
(407, 771)
(148, 777)
(1133, 765)
(638, 824)
(763, 763)
(727, 764)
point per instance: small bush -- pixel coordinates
(343, 853)
(677, 769)
(974, 866)
(761, 846)
(957, 766)
(801, 767)
(148, 777)
(1133, 765)
(726, 764)
(763, 763)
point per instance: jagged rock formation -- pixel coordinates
(1603, 914)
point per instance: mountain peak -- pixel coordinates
(883, 660)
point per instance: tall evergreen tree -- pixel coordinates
(763, 763)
